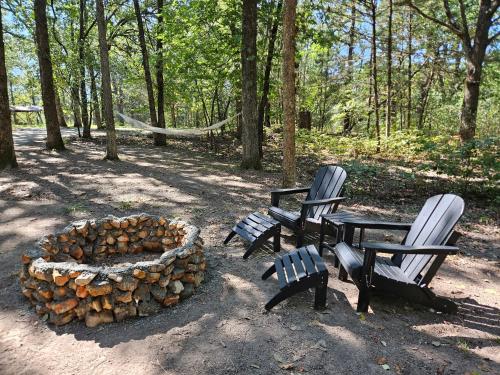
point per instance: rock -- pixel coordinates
(106, 302)
(99, 288)
(147, 308)
(81, 291)
(140, 274)
(40, 274)
(76, 252)
(74, 274)
(128, 283)
(93, 319)
(198, 278)
(133, 220)
(167, 241)
(115, 223)
(60, 292)
(28, 293)
(124, 224)
(59, 279)
(45, 292)
(152, 245)
(181, 263)
(122, 247)
(61, 319)
(188, 291)
(41, 310)
(96, 305)
(158, 292)
(142, 293)
(115, 277)
(157, 267)
(124, 297)
(85, 278)
(123, 238)
(177, 274)
(188, 278)
(176, 287)
(152, 277)
(143, 234)
(72, 284)
(63, 306)
(164, 280)
(171, 299)
(110, 240)
(122, 312)
(192, 267)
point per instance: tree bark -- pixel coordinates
(264, 100)
(409, 72)
(54, 139)
(289, 33)
(348, 121)
(250, 133)
(388, 111)
(60, 112)
(374, 70)
(81, 63)
(7, 153)
(147, 72)
(107, 96)
(95, 97)
(161, 139)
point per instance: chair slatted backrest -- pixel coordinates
(327, 183)
(433, 226)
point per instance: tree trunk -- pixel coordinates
(54, 139)
(14, 116)
(410, 51)
(60, 112)
(305, 120)
(7, 153)
(81, 63)
(107, 96)
(95, 96)
(374, 70)
(75, 104)
(161, 139)
(264, 101)
(147, 72)
(348, 125)
(289, 33)
(250, 132)
(388, 111)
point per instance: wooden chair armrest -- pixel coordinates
(276, 194)
(389, 248)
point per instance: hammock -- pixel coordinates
(186, 132)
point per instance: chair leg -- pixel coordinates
(280, 297)
(229, 237)
(342, 273)
(269, 272)
(336, 261)
(249, 251)
(300, 239)
(320, 295)
(276, 242)
(363, 300)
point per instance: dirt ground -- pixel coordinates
(223, 329)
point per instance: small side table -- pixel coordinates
(334, 220)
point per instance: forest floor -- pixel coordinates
(223, 329)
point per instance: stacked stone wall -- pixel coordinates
(63, 278)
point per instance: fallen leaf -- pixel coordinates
(386, 367)
(287, 366)
(254, 366)
(436, 343)
(381, 361)
(383, 343)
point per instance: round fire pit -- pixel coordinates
(111, 269)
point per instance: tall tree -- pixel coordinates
(54, 139)
(289, 34)
(475, 41)
(147, 72)
(250, 132)
(388, 111)
(264, 100)
(81, 66)
(107, 96)
(409, 70)
(94, 95)
(348, 120)
(373, 13)
(161, 139)
(7, 154)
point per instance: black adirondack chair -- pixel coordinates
(322, 198)
(414, 262)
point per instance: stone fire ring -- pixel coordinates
(57, 280)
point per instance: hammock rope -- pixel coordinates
(174, 132)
